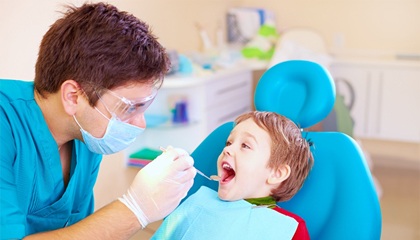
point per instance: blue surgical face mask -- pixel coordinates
(118, 136)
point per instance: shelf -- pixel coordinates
(185, 81)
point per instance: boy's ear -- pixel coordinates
(279, 175)
(69, 96)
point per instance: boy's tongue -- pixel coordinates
(228, 173)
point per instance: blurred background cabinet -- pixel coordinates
(386, 98)
(211, 99)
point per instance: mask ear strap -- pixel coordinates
(74, 117)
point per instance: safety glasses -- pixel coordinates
(123, 108)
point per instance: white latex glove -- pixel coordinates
(160, 186)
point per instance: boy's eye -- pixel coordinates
(244, 145)
(228, 143)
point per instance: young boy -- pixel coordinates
(266, 160)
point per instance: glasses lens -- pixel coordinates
(132, 109)
(124, 109)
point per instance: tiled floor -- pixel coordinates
(400, 201)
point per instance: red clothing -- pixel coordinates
(301, 231)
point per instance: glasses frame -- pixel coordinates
(133, 107)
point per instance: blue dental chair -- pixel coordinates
(338, 199)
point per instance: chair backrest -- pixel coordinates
(338, 200)
(309, 44)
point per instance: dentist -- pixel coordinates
(98, 70)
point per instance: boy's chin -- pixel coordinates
(226, 197)
(223, 196)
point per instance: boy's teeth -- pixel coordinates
(226, 166)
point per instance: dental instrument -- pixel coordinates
(211, 178)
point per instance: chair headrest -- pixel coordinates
(301, 90)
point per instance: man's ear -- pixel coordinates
(70, 96)
(279, 175)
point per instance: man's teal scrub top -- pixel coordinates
(33, 197)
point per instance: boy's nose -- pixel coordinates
(227, 151)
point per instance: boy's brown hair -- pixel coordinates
(100, 47)
(288, 147)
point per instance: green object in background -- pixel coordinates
(262, 46)
(146, 153)
(339, 119)
(344, 121)
(268, 31)
(254, 52)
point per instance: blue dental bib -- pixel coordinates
(205, 216)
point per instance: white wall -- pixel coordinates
(24, 22)
(365, 27)
(22, 26)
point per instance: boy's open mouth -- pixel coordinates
(228, 173)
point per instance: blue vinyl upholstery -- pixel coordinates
(338, 200)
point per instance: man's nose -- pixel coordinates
(138, 120)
